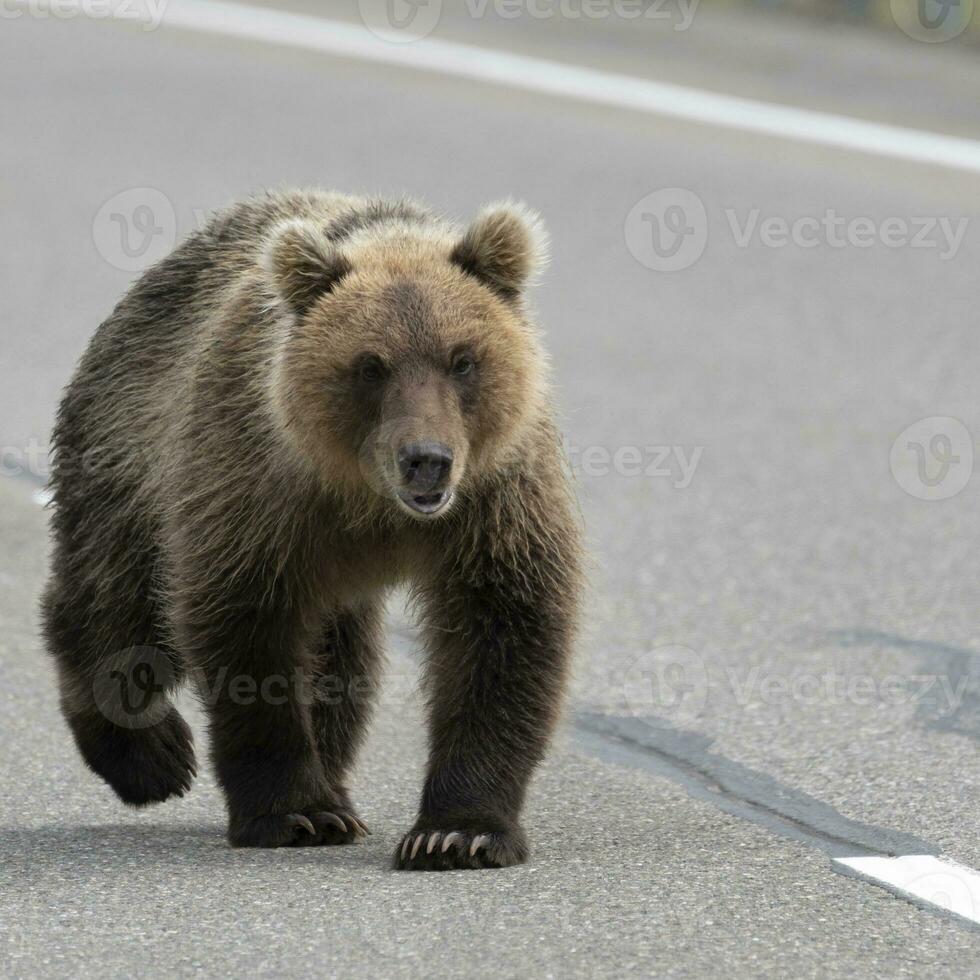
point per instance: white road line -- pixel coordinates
(923, 879)
(564, 80)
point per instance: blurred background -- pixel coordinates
(761, 310)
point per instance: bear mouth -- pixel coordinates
(426, 504)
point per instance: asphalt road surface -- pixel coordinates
(773, 429)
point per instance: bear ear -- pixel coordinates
(302, 264)
(504, 247)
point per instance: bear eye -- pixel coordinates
(371, 370)
(463, 364)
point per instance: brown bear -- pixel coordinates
(314, 399)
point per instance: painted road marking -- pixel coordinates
(924, 879)
(565, 80)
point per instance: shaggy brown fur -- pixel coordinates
(312, 400)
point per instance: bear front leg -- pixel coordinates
(252, 661)
(500, 628)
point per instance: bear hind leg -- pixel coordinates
(345, 681)
(115, 693)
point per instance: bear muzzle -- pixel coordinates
(425, 468)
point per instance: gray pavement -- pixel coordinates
(811, 621)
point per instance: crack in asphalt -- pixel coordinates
(684, 758)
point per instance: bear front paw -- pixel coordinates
(336, 827)
(455, 848)
(321, 827)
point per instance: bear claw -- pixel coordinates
(298, 820)
(275, 830)
(421, 851)
(298, 830)
(337, 827)
(334, 820)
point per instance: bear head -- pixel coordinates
(406, 362)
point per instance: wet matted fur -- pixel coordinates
(313, 399)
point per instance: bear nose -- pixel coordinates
(425, 465)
